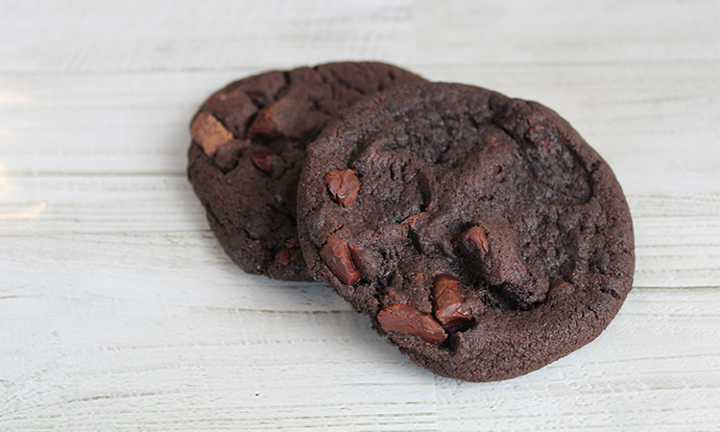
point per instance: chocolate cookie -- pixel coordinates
(248, 147)
(481, 234)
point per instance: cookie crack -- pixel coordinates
(281, 91)
(339, 80)
(317, 72)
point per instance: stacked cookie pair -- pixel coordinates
(479, 233)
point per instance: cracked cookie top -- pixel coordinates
(248, 147)
(480, 234)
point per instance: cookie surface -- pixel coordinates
(248, 149)
(480, 234)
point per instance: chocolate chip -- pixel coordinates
(343, 185)
(336, 256)
(291, 243)
(476, 236)
(234, 109)
(365, 261)
(448, 302)
(264, 123)
(289, 117)
(356, 258)
(404, 319)
(270, 164)
(283, 257)
(209, 133)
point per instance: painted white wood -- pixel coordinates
(119, 310)
(549, 31)
(677, 238)
(140, 35)
(107, 36)
(637, 115)
(103, 361)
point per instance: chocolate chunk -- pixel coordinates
(289, 117)
(356, 258)
(209, 133)
(283, 257)
(233, 109)
(404, 319)
(264, 123)
(365, 261)
(336, 256)
(270, 164)
(476, 236)
(448, 302)
(343, 186)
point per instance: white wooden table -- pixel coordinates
(119, 311)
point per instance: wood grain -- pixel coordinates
(677, 238)
(634, 115)
(119, 310)
(134, 362)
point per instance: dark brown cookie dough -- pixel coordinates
(481, 234)
(248, 149)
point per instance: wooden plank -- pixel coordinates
(119, 310)
(677, 237)
(189, 35)
(635, 116)
(100, 124)
(145, 364)
(549, 31)
(615, 383)
(113, 360)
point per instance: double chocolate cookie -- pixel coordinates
(248, 147)
(480, 234)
